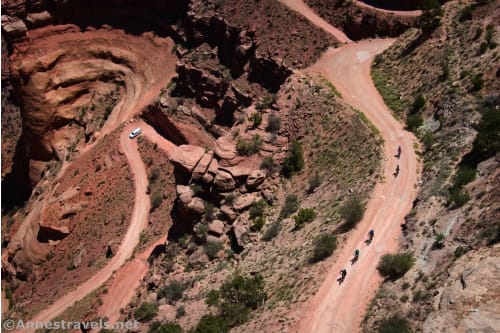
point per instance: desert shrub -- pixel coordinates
(274, 123)
(314, 182)
(439, 241)
(418, 103)
(266, 102)
(414, 121)
(428, 140)
(258, 223)
(394, 324)
(249, 147)
(146, 311)
(305, 215)
(256, 118)
(294, 162)
(405, 285)
(158, 327)
(489, 36)
(431, 16)
(172, 292)
(272, 231)
(211, 324)
(156, 200)
(458, 197)
(394, 266)
(213, 297)
(324, 245)
(154, 175)
(180, 312)
(459, 251)
(464, 176)
(268, 164)
(290, 206)
(477, 82)
(235, 299)
(107, 112)
(466, 13)
(352, 212)
(257, 209)
(209, 211)
(230, 198)
(212, 248)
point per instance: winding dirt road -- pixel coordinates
(131, 239)
(340, 308)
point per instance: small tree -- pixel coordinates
(156, 200)
(268, 164)
(257, 209)
(418, 103)
(272, 231)
(394, 266)
(257, 119)
(314, 182)
(172, 292)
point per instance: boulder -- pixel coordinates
(225, 148)
(186, 157)
(244, 201)
(239, 231)
(196, 206)
(184, 194)
(199, 257)
(14, 28)
(255, 178)
(207, 178)
(202, 166)
(216, 228)
(224, 182)
(39, 19)
(229, 213)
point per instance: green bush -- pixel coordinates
(305, 215)
(249, 147)
(272, 231)
(268, 164)
(314, 182)
(257, 119)
(294, 162)
(211, 324)
(172, 292)
(466, 13)
(477, 82)
(258, 224)
(157, 327)
(352, 212)
(146, 311)
(394, 266)
(274, 123)
(291, 206)
(458, 197)
(257, 209)
(418, 103)
(266, 103)
(212, 248)
(428, 140)
(394, 324)
(235, 299)
(414, 121)
(324, 246)
(464, 176)
(156, 200)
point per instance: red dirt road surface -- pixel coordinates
(131, 239)
(340, 308)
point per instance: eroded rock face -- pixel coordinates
(255, 178)
(469, 302)
(186, 157)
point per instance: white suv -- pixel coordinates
(135, 133)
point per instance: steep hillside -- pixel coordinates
(443, 79)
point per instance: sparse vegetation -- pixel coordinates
(352, 212)
(172, 292)
(324, 245)
(257, 209)
(158, 327)
(394, 266)
(290, 206)
(394, 324)
(294, 161)
(272, 231)
(212, 249)
(236, 298)
(258, 223)
(305, 215)
(274, 123)
(314, 182)
(146, 311)
(256, 118)
(268, 164)
(156, 200)
(246, 147)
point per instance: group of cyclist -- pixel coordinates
(371, 233)
(343, 272)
